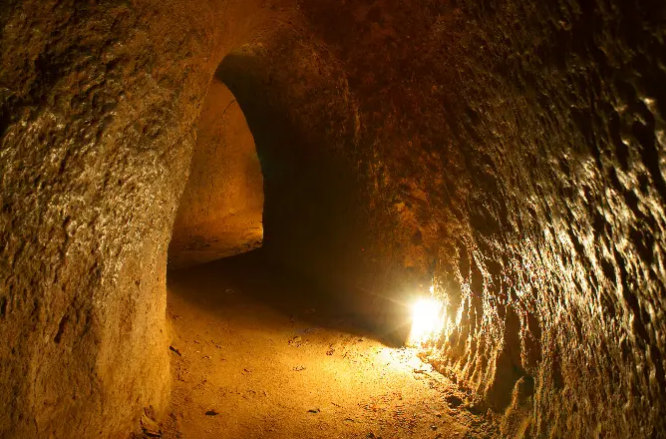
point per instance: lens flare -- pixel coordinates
(428, 319)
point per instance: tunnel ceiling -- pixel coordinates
(508, 153)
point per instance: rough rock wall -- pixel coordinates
(220, 212)
(511, 154)
(97, 107)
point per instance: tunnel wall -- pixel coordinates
(98, 102)
(509, 153)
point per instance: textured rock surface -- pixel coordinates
(510, 152)
(220, 212)
(97, 110)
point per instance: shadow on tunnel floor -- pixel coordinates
(249, 276)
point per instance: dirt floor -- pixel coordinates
(255, 357)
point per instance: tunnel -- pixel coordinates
(332, 219)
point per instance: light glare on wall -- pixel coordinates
(428, 319)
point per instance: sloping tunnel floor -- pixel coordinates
(257, 355)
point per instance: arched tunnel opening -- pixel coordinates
(220, 213)
(325, 219)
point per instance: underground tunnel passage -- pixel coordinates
(324, 219)
(259, 349)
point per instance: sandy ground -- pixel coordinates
(253, 357)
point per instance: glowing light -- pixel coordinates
(428, 320)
